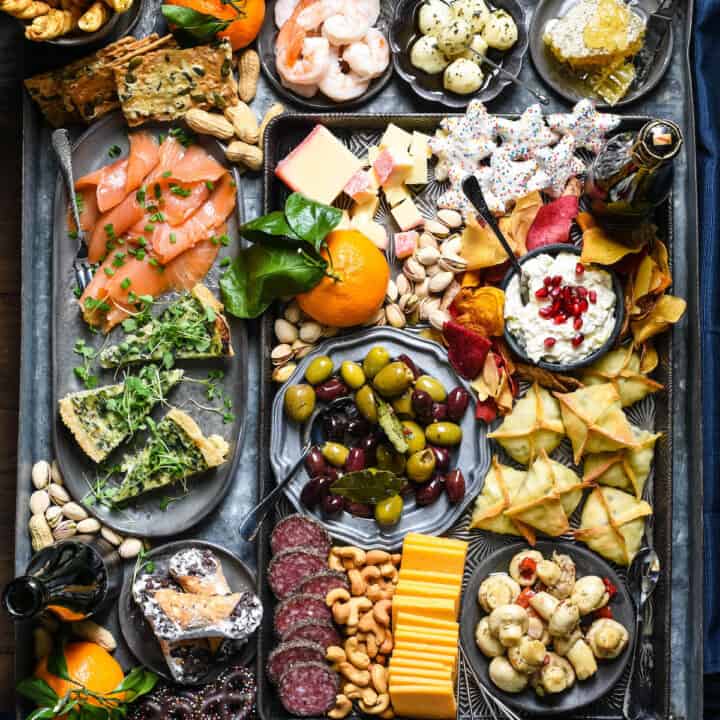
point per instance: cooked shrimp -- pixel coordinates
(312, 17)
(283, 11)
(368, 57)
(310, 66)
(371, 8)
(290, 39)
(340, 86)
(306, 91)
(350, 25)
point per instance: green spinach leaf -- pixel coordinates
(311, 220)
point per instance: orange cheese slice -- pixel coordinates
(437, 657)
(443, 608)
(423, 589)
(406, 666)
(434, 541)
(417, 646)
(409, 673)
(426, 557)
(442, 578)
(407, 618)
(413, 636)
(430, 702)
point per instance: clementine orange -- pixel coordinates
(357, 287)
(244, 29)
(90, 665)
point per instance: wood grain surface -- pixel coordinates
(10, 147)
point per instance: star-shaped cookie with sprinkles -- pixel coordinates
(585, 124)
(560, 164)
(528, 133)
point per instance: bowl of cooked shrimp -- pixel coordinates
(326, 54)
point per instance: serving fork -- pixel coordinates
(81, 264)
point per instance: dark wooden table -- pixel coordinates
(10, 147)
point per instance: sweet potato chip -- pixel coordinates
(480, 309)
(666, 311)
(599, 247)
(516, 226)
(649, 358)
(471, 278)
(553, 222)
(480, 247)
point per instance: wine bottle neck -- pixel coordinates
(657, 143)
(24, 597)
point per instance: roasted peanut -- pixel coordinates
(40, 533)
(207, 123)
(240, 152)
(244, 121)
(248, 75)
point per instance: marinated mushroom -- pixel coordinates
(548, 572)
(565, 619)
(489, 645)
(508, 623)
(563, 645)
(527, 656)
(544, 605)
(506, 677)
(497, 589)
(537, 629)
(554, 677)
(582, 659)
(523, 567)
(590, 594)
(607, 638)
(563, 587)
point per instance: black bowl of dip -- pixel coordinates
(517, 347)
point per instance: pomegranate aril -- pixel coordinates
(577, 340)
(549, 342)
(575, 309)
(545, 312)
(559, 319)
(579, 269)
(557, 280)
(555, 292)
(592, 296)
(547, 281)
(577, 323)
(541, 293)
(584, 306)
(581, 291)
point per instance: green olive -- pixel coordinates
(444, 433)
(388, 459)
(335, 453)
(414, 436)
(376, 359)
(394, 379)
(420, 466)
(299, 402)
(319, 370)
(365, 401)
(434, 388)
(352, 374)
(388, 511)
(403, 405)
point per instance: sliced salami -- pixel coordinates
(308, 688)
(296, 531)
(290, 567)
(319, 631)
(323, 582)
(297, 608)
(288, 653)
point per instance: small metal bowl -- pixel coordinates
(404, 32)
(519, 350)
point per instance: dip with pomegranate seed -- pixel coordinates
(571, 311)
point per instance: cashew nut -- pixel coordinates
(380, 659)
(361, 678)
(372, 645)
(377, 557)
(335, 562)
(387, 646)
(337, 595)
(383, 701)
(335, 654)
(368, 624)
(343, 706)
(381, 611)
(378, 678)
(370, 573)
(377, 592)
(355, 554)
(355, 654)
(368, 696)
(387, 569)
(351, 691)
(396, 558)
(348, 613)
(357, 583)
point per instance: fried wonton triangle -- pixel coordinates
(499, 489)
(548, 497)
(621, 368)
(613, 523)
(533, 425)
(594, 420)
(626, 469)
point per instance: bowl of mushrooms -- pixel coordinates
(547, 629)
(449, 51)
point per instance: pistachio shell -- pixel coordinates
(110, 535)
(53, 515)
(391, 293)
(57, 477)
(451, 218)
(428, 241)
(403, 284)
(64, 530)
(438, 318)
(73, 511)
(41, 474)
(280, 354)
(58, 494)
(39, 502)
(130, 548)
(439, 282)
(427, 256)
(292, 313)
(413, 270)
(282, 374)
(89, 526)
(285, 331)
(437, 228)
(310, 332)
(395, 316)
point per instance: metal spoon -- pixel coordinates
(254, 519)
(643, 577)
(473, 192)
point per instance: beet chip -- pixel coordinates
(466, 349)
(552, 223)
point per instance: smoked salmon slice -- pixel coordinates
(182, 200)
(143, 157)
(196, 166)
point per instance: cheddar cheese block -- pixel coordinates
(446, 651)
(424, 557)
(412, 635)
(437, 657)
(403, 666)
(420, 539)
(434, 702)
(422, 621)
(425, 589)
(443, 578)
(418, 674)
(443, 608)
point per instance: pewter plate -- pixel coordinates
(145, 516)
(572, 89)
(266, 50)
(582, 693)
(472, 456)
(139, 635)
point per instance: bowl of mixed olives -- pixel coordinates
(394, 445)
(441, 47)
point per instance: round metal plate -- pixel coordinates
(582, 693)
(266, 50)
(563, 83)
(403, 32)
(139, 635)
(472, 456)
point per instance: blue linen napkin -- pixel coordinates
(706, 59)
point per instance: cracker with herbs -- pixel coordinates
(164, 85)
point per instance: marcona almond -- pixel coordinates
(130, 548)
(422, 289)
(110, 535)
(285, 331)
(58, 494)
(92, 632)
(89, 526)
(282, 374)
(41, 474)
(39, 502)
(451, 218)
(73, 511)
(328, 331)
(408, 303)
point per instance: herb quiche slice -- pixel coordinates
(104, 417)
(176, 450)
(191, 328)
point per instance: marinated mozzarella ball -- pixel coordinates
(434, 15)
(463, 76)
(474, 11)
(500, 31)
(455, 37)
(476, 50)
(426, 56)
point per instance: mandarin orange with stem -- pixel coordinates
(355, 285)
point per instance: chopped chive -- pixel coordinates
(77, 292)
(214, 240)
(140, 195)
(142, 242)
(209, 184)
(140, 254)
(173, 239)
(157, 217)
(125, 284)
(73, 235)
(109, 271)
(149, 227)
(114, 151)
(180, 191)
(157, 191)
(167, 173)
(110, 230)
(224, 240)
